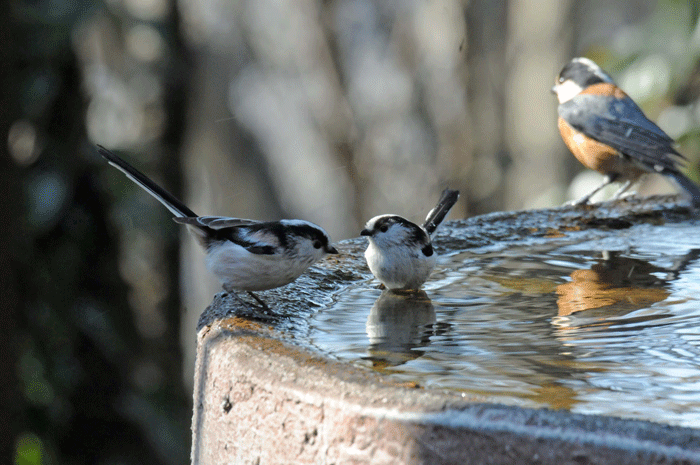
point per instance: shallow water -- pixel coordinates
(593, 322)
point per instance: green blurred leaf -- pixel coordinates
(29, 450)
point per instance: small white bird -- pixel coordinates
(400, 253)
(246, 255)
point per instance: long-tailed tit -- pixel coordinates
(400, 253)
(246, 255)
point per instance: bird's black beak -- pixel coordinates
(332, 250)
(365, 232)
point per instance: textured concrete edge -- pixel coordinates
(605, 438)
(414, 422)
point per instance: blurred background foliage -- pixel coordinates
(332, 111)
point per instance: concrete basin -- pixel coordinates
(262, 397)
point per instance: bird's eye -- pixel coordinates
(317, 244)
(561, 79)
(384, 228)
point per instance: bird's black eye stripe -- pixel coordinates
(384, 228)
(317, 238)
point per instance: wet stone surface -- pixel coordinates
(591, 310)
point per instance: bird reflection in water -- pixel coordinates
(614, 286)
(398, 325)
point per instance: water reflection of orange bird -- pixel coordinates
(617, 283)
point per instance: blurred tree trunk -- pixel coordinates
(220, 175)
(93, 386)
(488, 70)
(539, 43)
(10, 202)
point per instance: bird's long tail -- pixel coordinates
(177, 208)
(447, 200)
(688, 186)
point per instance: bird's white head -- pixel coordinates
(578, 74)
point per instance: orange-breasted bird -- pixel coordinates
(609, 133)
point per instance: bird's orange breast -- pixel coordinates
(591, 153)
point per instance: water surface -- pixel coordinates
(593, 322)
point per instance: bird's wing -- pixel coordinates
(254, 236)
(622, 125)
